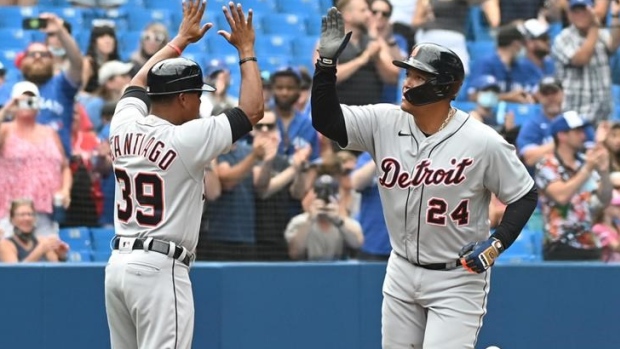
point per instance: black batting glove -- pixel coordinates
(333, 40)
(477, 257)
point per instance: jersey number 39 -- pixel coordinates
(148, 191)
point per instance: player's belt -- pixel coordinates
(434, 266)
(159, 246)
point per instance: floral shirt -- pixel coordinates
(577, 212)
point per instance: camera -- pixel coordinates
(325, 187)
(34, 23)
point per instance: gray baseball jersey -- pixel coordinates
(435, 190)
(159, 169)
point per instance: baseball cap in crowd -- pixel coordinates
(113, 68)
(567, 121)
(24, 87)
(286, 71)
(576, 3)
(549, 84)
(484, 83)
(215, 66)
(535, 29)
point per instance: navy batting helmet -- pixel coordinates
(175, 75)
(444, 66)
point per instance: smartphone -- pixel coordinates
(34, 23)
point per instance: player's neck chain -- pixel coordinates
(448, 118)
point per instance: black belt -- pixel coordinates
(434, 266)
(160, 246)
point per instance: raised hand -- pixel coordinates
(333, 40)
(242, 33)
(190, 28)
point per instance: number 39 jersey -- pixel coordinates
(435, 190)
(159, 169)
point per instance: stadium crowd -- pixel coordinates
(541, 73)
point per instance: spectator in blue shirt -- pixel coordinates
(537, 63)
(296, 128)
(376, 239)
(486, 93)
(505, 66)
(57, 91)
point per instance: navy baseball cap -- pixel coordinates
(583, 3)
(286, 71)
(549, 84)
(485, 82)
(567, 121)
(215, 66)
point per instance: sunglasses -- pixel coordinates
(268, 127)
(157, 38)
(383, 13)
(347, 171)
(42, 54)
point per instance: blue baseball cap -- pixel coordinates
(576, 3)
(485, 82)
(567, 121)
(215, 66)
(286, 71)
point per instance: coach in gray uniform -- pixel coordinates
(437, 169)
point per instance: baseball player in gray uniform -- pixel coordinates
(159, 160)
(437, 169)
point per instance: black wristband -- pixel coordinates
(246, 59)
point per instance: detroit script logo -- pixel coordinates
(423, 173)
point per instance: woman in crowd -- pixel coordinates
(24, 245)
(32, 159)
(102, 47)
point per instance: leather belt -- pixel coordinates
(159, 246)
(434, 266)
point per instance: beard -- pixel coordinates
(285, 104)
(38, 73)
(541, 53)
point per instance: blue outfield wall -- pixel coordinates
(312, 306)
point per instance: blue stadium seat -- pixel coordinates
(77, 238)
(307, 7)
(174, 5)
(465, 106)
(79, 256)
(521, 251)
(101, 238)
(260, 6)
(522, 112)
(218, 46)
(101, 256)
(325, 5)
(77, 17)
(274, 44)
(304, 45)
(313, 25)
(15, 38)
(12, 16)
(140, 19)
(274, 62)
(7, 57)
(278, 23)
(477, 49)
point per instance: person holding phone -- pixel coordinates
(57, 90)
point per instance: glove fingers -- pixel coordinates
(323, 25)
(340, 23)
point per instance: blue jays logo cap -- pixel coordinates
(583, 3)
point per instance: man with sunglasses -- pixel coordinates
(57, 90)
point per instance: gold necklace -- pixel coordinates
(448, 118)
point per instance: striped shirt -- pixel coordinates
(587, 89)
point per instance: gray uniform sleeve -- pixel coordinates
(361, 122)
(505, 175)
(201, 140)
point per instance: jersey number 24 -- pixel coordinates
(437, 209)
(148, 191)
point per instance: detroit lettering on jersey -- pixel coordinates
(423, 173)
(135, 144)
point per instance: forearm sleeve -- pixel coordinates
(327, 117)
(515, 218)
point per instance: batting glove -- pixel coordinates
(477, 257)
(333, 40)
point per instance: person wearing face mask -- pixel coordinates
(24, 245)
(537, 63)
(504, 64)
(487, 99)
(32, 160)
